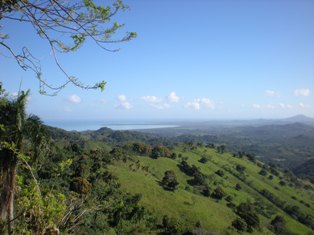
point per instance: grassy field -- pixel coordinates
(141, 174)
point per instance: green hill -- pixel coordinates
(269, 190)
(108, 182)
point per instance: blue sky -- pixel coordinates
(191, 60)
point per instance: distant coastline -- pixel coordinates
(95, 125)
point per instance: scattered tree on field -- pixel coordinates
(169, 181)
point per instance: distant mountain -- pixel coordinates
(300, 119)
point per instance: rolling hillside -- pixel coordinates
(241, 180)
(146, 184)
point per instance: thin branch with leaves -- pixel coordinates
(66, 26)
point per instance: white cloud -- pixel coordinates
(151, 99)
(124, 103)
(270, 93)
(285, 106)
(302, 92)
(155, 102)
(121, 98)
(269, 106)
(15, 94)
(289, 106)
(257, 106)
(197, 103)
(304, 106)
(173, 98)
(208, 103)
(74, 99)
(264, 106)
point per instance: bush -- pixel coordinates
(161, 151)
(171, 226)
(282, 183)
(229, 198)
(203, 160)
(169, 181)
(238, 187)
(198, 179)
(239, 224)
(206, 191)
(240, 168)
(80, 185)
(187, 169)
(220, 173)
(278, 224)
(263, 172)
(247, 212)
(218, 193)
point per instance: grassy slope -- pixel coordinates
(142, 175)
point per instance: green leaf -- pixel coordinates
(102, 85)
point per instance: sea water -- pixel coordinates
(79, 125)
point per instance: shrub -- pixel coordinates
(238, 187)
(203, 160)
(198, 179)
(161, 151)
(206, 191)
(278, 224)
(218, 193)
(282, 183)
(240, 168)
(220, 173)
(169, 181)
(263, 172)
(80, 185)
(239, 224)
(229, 198)
(247, 212)
(171, 226)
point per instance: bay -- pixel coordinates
(95, 125)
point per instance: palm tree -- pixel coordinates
(37, 133)
(12, 117)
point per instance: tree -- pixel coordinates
(169, 181)
(239, 224)
(221, 148)
(65, 25)
(278, 224)
(263, 172)
(12, 117)
(240, 168)
(247, 212)
(38, 135)
(171, 226)
(218, 193)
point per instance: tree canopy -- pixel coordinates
(65, 25)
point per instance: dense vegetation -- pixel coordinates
(286, 142)
(118, 182)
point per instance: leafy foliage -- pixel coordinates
(247, 212)
(169, 181)
(65, 26)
